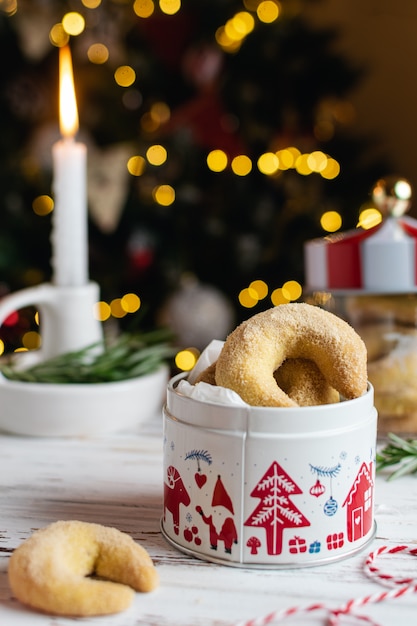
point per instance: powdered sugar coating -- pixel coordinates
(259, 346)
(49, 570)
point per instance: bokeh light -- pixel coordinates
(117, 309)
(268, 163)
(143, 8)
(102, 311)
(217, 160)
(248, 297)
(9, 7)
(160, 112)
(331, 221)
(91, 4)
(260, 287)
(369, 217)
(156, 154)
(170, 7)
(292, 290)
(278, 297)
(43, 205)
(73, 23)
(31, 340)
(268, 11)
(98, 53)
(125, 76)
(164, 195)
(130, 302)
(57, 36)
(241, 165)
(136, 165)
(186, 359)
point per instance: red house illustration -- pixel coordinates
(359, 504)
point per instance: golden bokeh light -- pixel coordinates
(217, 160)
(244, 23)
(317, 161)
(148, 123)
(91, 4)
(43, 205)
(302, 166)
(125, 76)
(156, 154)
(287, 157)
(268, 11)
(98, 53)
(136, 165)
(31, 340)
(331, 221)
(73, 23)
(268, 163)
(164, 195)
(248, 298)
(9, 7)
(1, 347)
(102, 311)
(278, 297)
(160, 112)
(292, 290)
(225, 42)
(186, 359)
(369, 217)
(332, 169)
(57, 36)
(117, 309)
(130, 302)
(260, 287)
(170, 7)
(241, 165)
(143, 8)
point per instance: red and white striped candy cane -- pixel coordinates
(399, 586)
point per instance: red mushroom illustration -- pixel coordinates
(253, 543)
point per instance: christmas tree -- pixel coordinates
(219, 133)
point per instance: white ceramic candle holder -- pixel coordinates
(67, 324)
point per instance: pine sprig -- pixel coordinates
(131, 355)
(398, 452)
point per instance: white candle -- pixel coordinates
(69, 229)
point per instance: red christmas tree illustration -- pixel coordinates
(275, 511)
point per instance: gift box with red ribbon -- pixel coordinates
(382, 259)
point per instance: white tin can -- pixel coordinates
(268, 487)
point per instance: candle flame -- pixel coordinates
(68, 114)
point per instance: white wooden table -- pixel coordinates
(116, 480)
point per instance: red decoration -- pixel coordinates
(175, 494)
(275, 512)
(221, 497)
(317, 489)
(200, 479)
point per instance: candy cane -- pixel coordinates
(399, 587)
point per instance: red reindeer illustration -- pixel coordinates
(228, 532)
(175, 494)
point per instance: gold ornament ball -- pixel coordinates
(392, 195)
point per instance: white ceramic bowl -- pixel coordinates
(72, 410)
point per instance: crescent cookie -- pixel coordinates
(48, 571)
(304, 383)
(258, 347)
(301, 379)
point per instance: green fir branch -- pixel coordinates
(130, 356)
(398, 453)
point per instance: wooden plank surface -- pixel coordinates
(117, 479)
